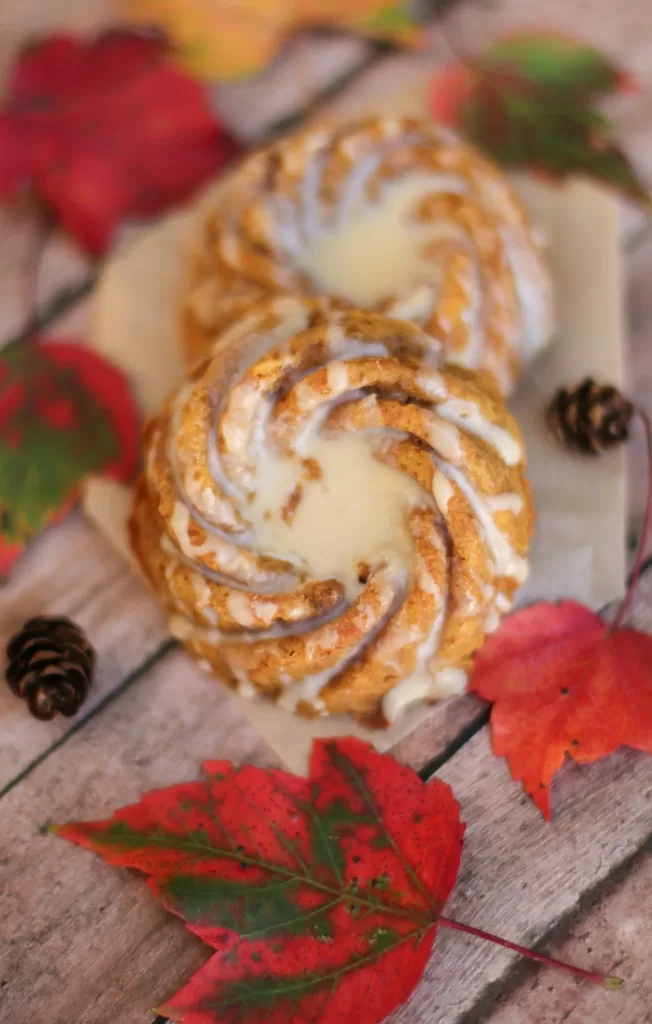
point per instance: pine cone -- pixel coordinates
(589, 417)
(50, 665)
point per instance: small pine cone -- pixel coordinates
(50, 665)
(589, 417)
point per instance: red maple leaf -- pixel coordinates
(564, 684)
(105, 130)
(321, 896)
(65, 412)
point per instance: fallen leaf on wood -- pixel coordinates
(563, 685)
(64, 412)
(321, 896)
(529, 101)
(105, 130)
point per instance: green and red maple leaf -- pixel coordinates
(105, 130)
(65, 412)
(320, 896)
(530, 101)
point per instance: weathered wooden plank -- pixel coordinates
(615, 933)
(72, 570)
(78, 925)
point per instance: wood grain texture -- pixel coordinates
(615, 933)
(445, 726)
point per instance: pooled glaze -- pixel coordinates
(376, 249)
(353, 514)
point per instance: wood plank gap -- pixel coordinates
(59, 304)
(427, 771)
(153, 659)
(523, 968)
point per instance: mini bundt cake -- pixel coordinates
(390, 215)
(331, 515)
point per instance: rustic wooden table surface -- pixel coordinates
(83, 943)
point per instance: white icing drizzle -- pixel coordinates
(445, 439)
(432, 382)
(417, 306)
(355, 512)
(467, 415)
(442, 490)
(509, 502)
(411, 690)
(180, 627)
(307, 690)
(492, 620)
(503, 603)
(239, 607)
(507, 561)
(231, 559)
(448, 682)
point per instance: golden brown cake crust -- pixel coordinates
(259, 622)
(488, 302)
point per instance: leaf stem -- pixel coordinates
(647, 522)
(600, 979)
